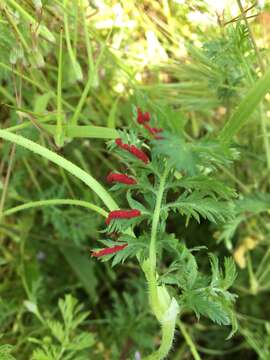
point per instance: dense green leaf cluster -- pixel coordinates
(194, 191)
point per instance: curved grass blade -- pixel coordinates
(246, 108)
(65, 164)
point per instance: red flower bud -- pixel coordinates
(156, 131)
(108, 251)
(153, 131)
(138, 153)
(122, 214)
(118, 142)
(142, 117)
(121, 178)
(146, 116)
(133, 150)
(121, 144)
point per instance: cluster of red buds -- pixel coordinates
(143, 119)
(132, 149)
(127, 180)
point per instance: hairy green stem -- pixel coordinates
(164, 308)
(152, 249)
(168, 329)
(152, 279)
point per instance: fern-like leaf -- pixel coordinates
(197, 205)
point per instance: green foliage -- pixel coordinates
(248, 206)
(5, 352)
(71, 223)
(204, 296)
(207, 186)
(193, 77)
(225, 53)
(190, 157)
(129, 316)
(196, 205)
(213, 300)
(258, 337)
(207, 296)
(65, 340)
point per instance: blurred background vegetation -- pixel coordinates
(187, 61)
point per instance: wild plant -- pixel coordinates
(165, 174)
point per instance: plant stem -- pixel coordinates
(90, 74)
(152, 249)
(164, 308)
(252, 278)
(74, 62)
(44, 31)
(265, 136)
(262, 265)
(6, 181)
(189, 340)
(52, 202)
(64, 163)
(168, 329)
(59, 124)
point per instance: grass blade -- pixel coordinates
(245, 109)
(87, 131)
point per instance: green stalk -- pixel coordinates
(59, 139)
(38, 85)
(7, 95)
(24, 77)
(43, 30)
(52, 202)
(90, 73)
(168, 329)
(265, 136)
(76, 66)
(85, 131)
(17, 31)
(252, 277)
(189, 341)
(164, 308)
(65, 164)
(156, 215)
(32, 175)
(152, 276)
(246, 107)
